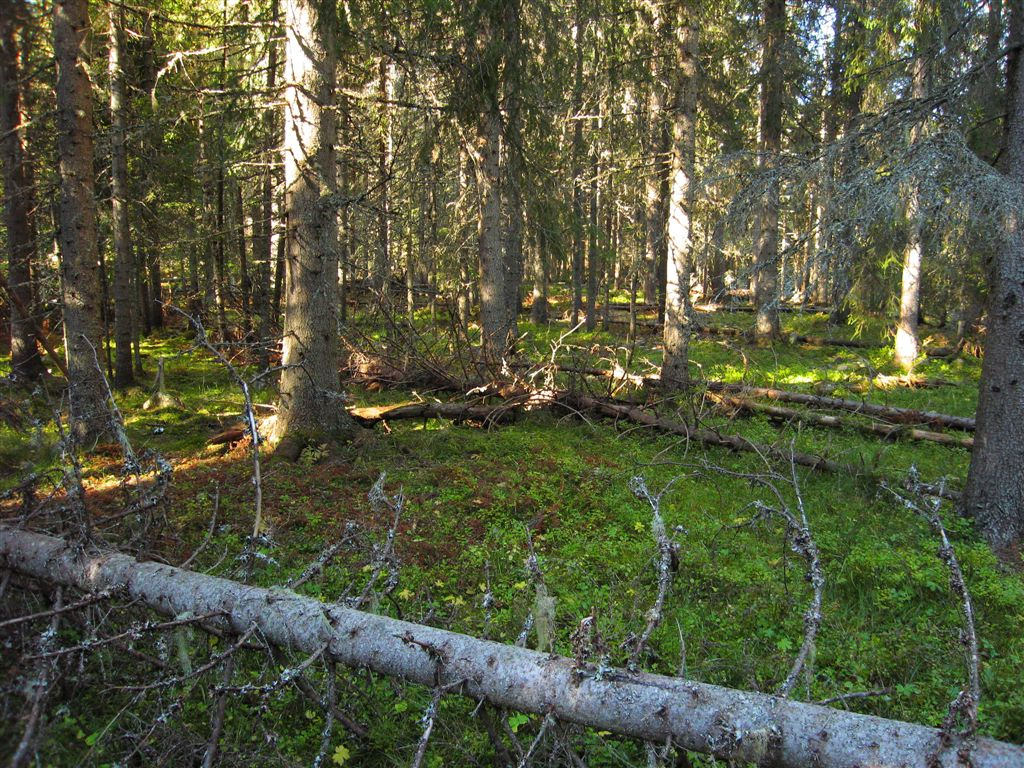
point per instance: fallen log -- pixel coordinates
(729, 724)
(888, 413)
(644, 417)
(891, 414)
(455, 411)
(890, 431)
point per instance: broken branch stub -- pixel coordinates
(697, 716)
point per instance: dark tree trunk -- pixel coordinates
(262, 249)
(994, 494)
(124, 300)
(766, 278)
(19, 198)
(382, 263)
(577, 171)
(310, 407)
(494, 315)
(78, 243)
(593, 248)
(244, 280)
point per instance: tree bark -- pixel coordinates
(994, 494)
(676, 337)
(577, 167)
(263, 243)
(497, 318)
(766, 280)
(310, 407)
(382, 261)
(80, 271)
(908, 346)
(696, 716)
(124, 264)
(19, 198)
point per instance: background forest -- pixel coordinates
(645, 334)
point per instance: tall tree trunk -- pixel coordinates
(577, 169)
(907, 343)
(539, 306)
(494, 315)
(244, 281)
(19, 197)
(382, 262)
(679, 237)
(593, 246)
(124, 301)
(492, 36)
(78, 244)
(994, 494)
(263, 253)
(152, 150)
(766, 278)
(659, 138)
(310, 406)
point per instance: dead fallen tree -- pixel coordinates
(732, 725)
(889, 431)
(644, 417)
(888, 413)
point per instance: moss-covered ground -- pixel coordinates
(734, 614)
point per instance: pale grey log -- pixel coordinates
(698, 716)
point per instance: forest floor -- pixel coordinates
(735, 611)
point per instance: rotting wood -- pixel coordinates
(888, 413)
(891, 414)
(890, 431)
(638, 415)
(696, 716)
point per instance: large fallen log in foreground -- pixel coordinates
(730, 724)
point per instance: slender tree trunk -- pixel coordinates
(124, 301)
(577, 169)
(659, 147)
(679, 237)
(263, 248)
(907, 343)
(593, 247)
(382, 253)
(78, 243)
(994, 494)
(245, 282)
(19, 198)
(766, 280)
(539, 307)
(152, 151)
(513, 178)
(310, 407)
(494, 315)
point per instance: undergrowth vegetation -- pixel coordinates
(476, 496)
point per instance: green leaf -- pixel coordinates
(341, 755)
